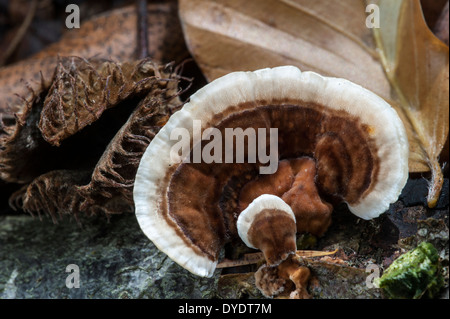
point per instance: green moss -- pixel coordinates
(414, 274)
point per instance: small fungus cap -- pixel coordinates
(263, 203)
(357, 140)
(269, 224)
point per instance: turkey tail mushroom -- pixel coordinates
(189, 195)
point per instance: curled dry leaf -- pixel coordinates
(416, 64)
(82, 90)
(88, 169)
(407, 65)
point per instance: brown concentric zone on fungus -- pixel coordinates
(342, 147)
(83, 89)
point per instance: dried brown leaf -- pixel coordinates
(416, 64)
(92, 169)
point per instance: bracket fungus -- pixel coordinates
(336, 142)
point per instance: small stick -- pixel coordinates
(254, 258)
(142, 27)
(20, 33)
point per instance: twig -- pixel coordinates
(254, 258)
(20, 33)
(142, 33)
